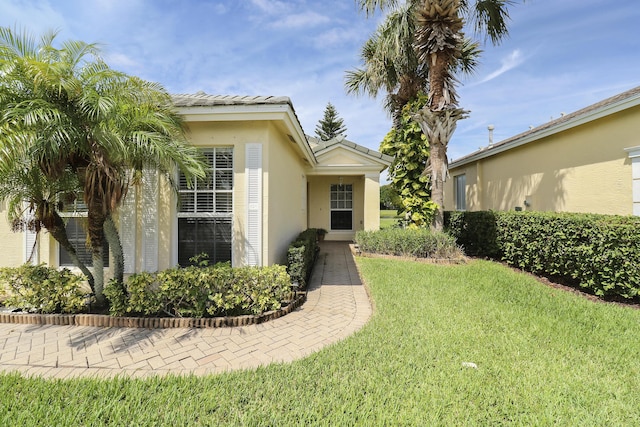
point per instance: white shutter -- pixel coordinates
(150, 221)
(253, 232)
(30, 243)
(128, 230)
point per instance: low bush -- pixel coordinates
(42, 289)
(301, 256)
(598, 252)
(201, 292)
(411, 242)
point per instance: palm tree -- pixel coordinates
(72, 112)
(391, 63)
(439, 43)
(33, 201)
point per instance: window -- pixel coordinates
(76, 222)
(459, 192)
(341, 206)
(205, 212)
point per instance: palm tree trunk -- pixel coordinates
(438, 162)
(98, 274)
(95, 228)
(58, 231)
(438, 126)
(115, 246)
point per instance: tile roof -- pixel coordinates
(565, 119)
(201, 99)
(318, 145)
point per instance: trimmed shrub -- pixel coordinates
(201, 292)
(474, 231)
(410, 242)
(301, 256)
(598, 252)
(42, 289)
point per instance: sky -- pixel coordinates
(560, 56)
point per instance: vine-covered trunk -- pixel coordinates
(438, 126)
(438, 162)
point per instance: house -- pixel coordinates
(268, 182)
(586, 161)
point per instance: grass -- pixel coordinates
(388, 218)
(543, 356)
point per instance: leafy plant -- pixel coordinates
(217, 290)
(42, 289)
(410, 149)
(301, 255)
(412, 242)
(600, 253)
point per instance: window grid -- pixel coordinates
(206, 209)
(212, 196)
(341, 202)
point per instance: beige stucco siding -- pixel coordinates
(320, 206)
(583, 169)
(218, 134)
(12, 249)
(284, 198)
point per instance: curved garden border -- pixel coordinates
(106, 321)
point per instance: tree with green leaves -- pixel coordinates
(410, 150)
(433, 31)
(331, 125)
(64, 111)
(33, 201)
(389, 198)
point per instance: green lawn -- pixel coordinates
(388, 218)
(543, 356)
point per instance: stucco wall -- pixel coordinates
(222, 134)
(285, 187)
(583, 169)
(319, 204)
(13, 248)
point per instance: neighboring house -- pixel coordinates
(586, 161)
(268, 182)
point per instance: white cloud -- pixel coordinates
(34, 17)
(120, 60)
(299, 20)
(270, 7)
(514, 59)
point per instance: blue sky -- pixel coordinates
(560, 56)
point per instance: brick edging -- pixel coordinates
(106, 321)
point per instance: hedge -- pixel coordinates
(219, 290)
(408, 242)
(598, 252)
(43, 289)
(301, 256)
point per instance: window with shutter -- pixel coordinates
(253, 172)
(205, 210)
(75, 216)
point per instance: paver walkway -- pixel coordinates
(336, 307)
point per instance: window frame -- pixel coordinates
(460, 194)
(342, 202)
(213, 188)
(79, 211)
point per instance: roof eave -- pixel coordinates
(537, 134)
(241, 112)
